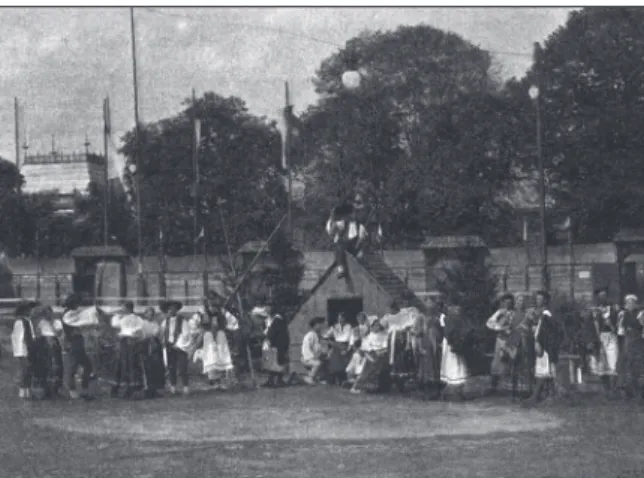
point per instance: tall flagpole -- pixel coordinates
(140, 282)
(138, 146)
(287, 139)
(16, 106)
(195, 169)
(107, 120)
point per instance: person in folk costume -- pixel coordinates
(51, 356)
(180, 338)
(347, 233)
(215, 353)
(314, 354)
(375, 348)
(275, 350)
(502, 322)
(129, 373)
(72, 324)
(631, 322)
(458, 354)
(603, 341)
(340, 336)
(153, 365)
(548, 336)
(359, 333)
(427, 335)
(23, 342)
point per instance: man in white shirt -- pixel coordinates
(180, 338)
(313, 355)
(347, 234)
(23, 343)
(129, 368)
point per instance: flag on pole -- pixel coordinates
(285, 126)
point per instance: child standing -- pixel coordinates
(23, 342)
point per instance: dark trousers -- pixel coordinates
(72, 360)
(25, 374)
(177, 365)
(344, 246)
(631, 370)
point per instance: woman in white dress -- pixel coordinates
(217, 360)
(454, 371)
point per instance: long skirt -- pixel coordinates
(544, 368)
(605, 361)
(270, 362)
(339, 358)
(129, 373)
(500, 364)
(401, 354)
(153, 365)
(453, 367)
(217, 358)
(374, 372)
(49, 368)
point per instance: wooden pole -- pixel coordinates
(137, 178)
(106, 193)
(287, 139)
(542, 179)
(195, 170)
(16, 106)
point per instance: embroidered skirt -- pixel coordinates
(216, 353)
(374, 372)
(605, 361)
(453, 368)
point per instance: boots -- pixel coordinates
(536, 394)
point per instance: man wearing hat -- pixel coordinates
(74, 353)
(604, 345)
(631, 322)
(179, 338)
(502, 322)
(23, 342)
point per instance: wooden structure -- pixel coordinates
(99, 272)
(630, 250)
(370, 286)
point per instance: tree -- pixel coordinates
(418, 131)
(591, 73)
(238, 174)
(11, 208)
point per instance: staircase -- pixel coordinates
(375, 266)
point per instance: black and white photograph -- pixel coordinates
(321, 241)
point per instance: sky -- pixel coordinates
(62, 62)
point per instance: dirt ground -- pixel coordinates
(313, 432)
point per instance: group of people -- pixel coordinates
(50, 352)
(434, 345)
(614, 340)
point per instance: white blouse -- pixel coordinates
(375, 341)
(341, 333)
(18, 342)
(130, 325)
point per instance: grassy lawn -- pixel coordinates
(314, 432)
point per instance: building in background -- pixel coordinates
(62, 174)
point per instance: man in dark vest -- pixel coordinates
(631, 321)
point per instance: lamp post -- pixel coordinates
(534, 96)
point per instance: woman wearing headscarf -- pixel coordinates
(458, 347)
(376, 364)
(50, 352)
(275, 350)
(427, 336)
(339, 335)
(602, 341)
